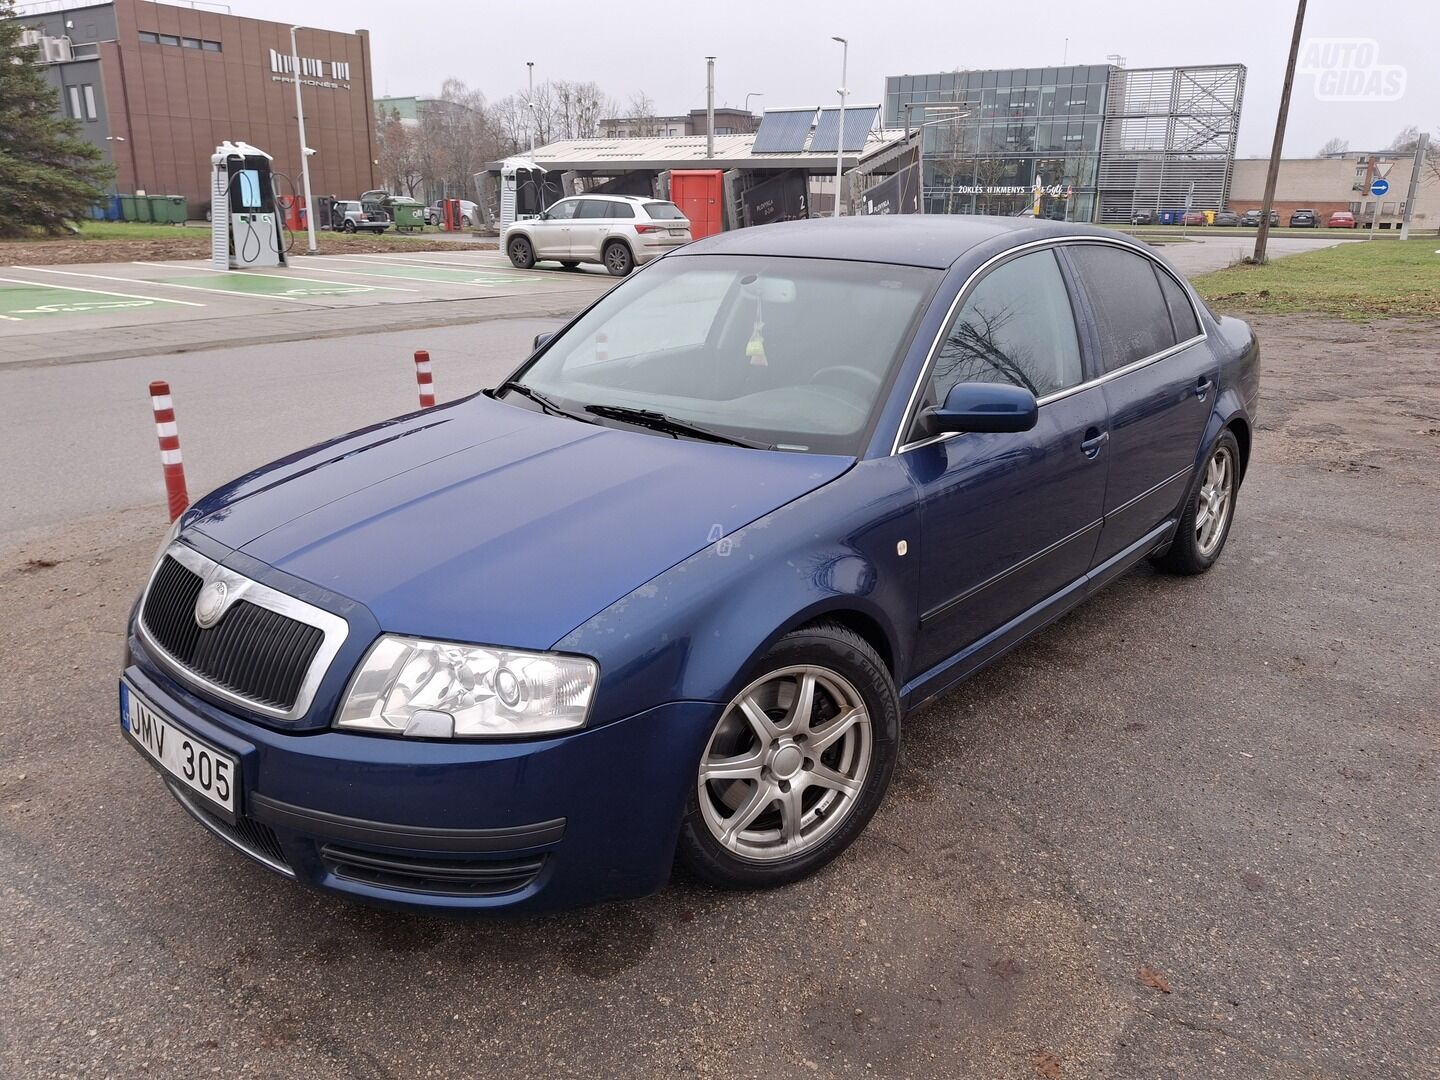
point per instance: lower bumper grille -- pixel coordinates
(434, 876)
(250, 837)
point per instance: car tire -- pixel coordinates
(465, 220)
(617, 258)
(522, 254)
(1209, 511)
(847, 679)
(349, 227)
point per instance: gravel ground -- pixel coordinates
(1189, 831)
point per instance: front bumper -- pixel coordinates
(537, 825)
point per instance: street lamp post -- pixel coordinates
(305, 150)
(530, 104)
(840, 136)
(753, 93)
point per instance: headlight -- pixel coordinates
(438, 689)
(170, 535)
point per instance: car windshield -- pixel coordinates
(789, 353)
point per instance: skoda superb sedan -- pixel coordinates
(671, 588)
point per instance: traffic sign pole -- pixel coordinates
(1378, 188)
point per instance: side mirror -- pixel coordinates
(544, 215)
(973, 406)
(540, 340)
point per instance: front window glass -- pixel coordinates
(794, 353)
(563, 210)
(1016, 327)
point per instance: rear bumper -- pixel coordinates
(534, 826)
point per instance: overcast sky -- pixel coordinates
(783, 49)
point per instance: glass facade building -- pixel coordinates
(988, 138)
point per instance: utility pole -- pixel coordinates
(1272, 175)
(840, 135)
(304, 149)
(1420, 157)
(530, 104)
(709, 106)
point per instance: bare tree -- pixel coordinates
(1333, 146)
(401, 166)
(640, 111)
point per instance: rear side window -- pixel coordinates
(1182, 315)
(664, 211)
(1016, 327)
(1133, 318)
(621, 210)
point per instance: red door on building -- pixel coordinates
(699, 193)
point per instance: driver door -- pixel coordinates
(552, 232)
(1008, 521)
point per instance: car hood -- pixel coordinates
(486, 522)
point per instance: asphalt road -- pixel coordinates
(1228, 781)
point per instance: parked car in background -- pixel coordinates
(1251, 218)
(1227, 218)
(1341, 219)
(434, 214)
(469, 214)
(1193, 217)
(1142, 217)
(833, 466)
(620, 232)
(353, 217)
(1304, 219)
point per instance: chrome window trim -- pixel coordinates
(332, 626)
(908, 418)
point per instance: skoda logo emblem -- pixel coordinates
(210, 604)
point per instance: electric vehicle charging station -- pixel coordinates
(245, 222)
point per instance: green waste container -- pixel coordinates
(159, 207)
(408, 213)
(129, 208)
(178, 209)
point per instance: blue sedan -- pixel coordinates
(671, 588)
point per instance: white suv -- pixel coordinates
(620, 232)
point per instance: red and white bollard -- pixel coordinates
(164, 406)
(425, 379)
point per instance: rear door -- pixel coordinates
(592, 223)
(1008, 520)
(1159, 378)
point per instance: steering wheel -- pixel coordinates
(849, 374)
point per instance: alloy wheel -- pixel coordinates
(1217, 492)
(786, 764)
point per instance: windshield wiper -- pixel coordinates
(540, 399)
(670, 425)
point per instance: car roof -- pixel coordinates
(928, 240)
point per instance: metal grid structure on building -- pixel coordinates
(1169, 139)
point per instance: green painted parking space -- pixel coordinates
(264, 285)
(19, 302)
(435, 273)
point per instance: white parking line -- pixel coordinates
(284, 277)
(168, 285)
(102, 292)
(427, 281)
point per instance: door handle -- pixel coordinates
(1092, 444)
(1202, 387)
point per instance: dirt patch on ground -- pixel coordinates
(1351, 397)
(195, 244)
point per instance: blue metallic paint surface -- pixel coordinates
(675, 564)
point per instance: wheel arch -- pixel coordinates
(1240, 428)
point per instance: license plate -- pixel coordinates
(208, 772)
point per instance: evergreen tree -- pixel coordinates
(48, 174)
